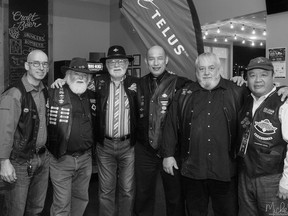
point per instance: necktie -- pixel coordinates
(154, 84)
(116, 112)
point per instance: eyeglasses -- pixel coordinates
(37, 64)
(120, 62)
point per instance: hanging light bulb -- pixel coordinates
(231, 25)
(253, 32)
(235, 37)
(226, 40)
(215, 39)
(252, 44)
(261, 44)
(243, 41)
(218, 30)
(206, 32)
(264, 32)
(243, 27)
(204, 37)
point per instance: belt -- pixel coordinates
(78, 153)
(118, 138)
(40, 150)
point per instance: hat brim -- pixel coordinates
(130, 58)
(87, 71)
(268, 68)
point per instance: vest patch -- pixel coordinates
(265, 127)
(268, 111)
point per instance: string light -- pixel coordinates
(226, 40)
(235, 37)
(204, 37)
(243, 27)
(253, 32)
(215, 39)
(264, 32)
(206, 32)
(261, 44)
(231, 25)
(252, 44)
(243, 41)
(218, 30)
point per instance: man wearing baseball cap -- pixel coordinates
(72, 111)
(263, 178)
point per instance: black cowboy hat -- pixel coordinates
(78, 65)
(117, 52)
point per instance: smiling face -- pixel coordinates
(117, 68)
(208, 70)
(156, 60)
(37, 66)
(260, 81)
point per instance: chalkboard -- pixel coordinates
(28, 30)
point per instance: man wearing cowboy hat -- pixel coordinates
(72, 111)
(116, 115)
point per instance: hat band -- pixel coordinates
(79, 67)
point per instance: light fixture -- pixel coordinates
(243, 27)
(264, 32)
(235, 37)
(252, 44)
(218, 30)
(215, 39)
(243, 41)
(261, 44)
(204, 37)
(253, 31)
(226, 40)
(231, 25)
(206, 32)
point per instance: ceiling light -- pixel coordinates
(226, 40)
(252, 44)
(218, 30)
(243, 41)
(231, 25)
(215, 39)
(253, 32)
(206, 32)
(264, 32)
(235, 37)
(243, 27)
(261, 44)
(204, 37)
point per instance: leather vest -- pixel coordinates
(60, 119)
(266, 147)
(158, 106)
(25, 137)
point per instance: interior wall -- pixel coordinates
(79, 27)
(277, 37)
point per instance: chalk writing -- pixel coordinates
(277, 211)
(15, 47)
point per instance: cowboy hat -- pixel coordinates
(78, 65)
(117, 52)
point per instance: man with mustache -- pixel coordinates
(72, 112)
(23, 156)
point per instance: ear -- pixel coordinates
(166, 60)
(26, 65)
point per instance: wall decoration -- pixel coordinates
(278, 58)
(136, 72)
(137, 60)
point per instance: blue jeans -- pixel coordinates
(257, 196)
(70, 178)
(27, 195)
(115, 159)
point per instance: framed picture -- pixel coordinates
(136, 72)
(137, 60)
(129, 71)
(130, 64)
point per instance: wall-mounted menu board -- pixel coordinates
(28, 30)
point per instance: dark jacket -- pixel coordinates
(153, 107)
(266, 149)
(102, 84)
(60, 119)
(24, 145)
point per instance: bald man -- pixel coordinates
(23, 157)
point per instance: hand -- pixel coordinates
(168, 164)
(238, 80)
(7, 171)
(58, 83)
(284, 92)
(283, 193)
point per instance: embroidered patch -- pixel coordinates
(265, 127)
(268, 111)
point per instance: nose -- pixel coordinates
(41, 66)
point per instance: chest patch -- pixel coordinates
(265, 127)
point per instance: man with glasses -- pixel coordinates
(23, 133)
(116, 98)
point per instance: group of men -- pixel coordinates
(194, 134)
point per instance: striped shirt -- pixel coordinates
(124, 110)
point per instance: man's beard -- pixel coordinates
(77, 88)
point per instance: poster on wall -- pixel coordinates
(28, 30)
(278, 58)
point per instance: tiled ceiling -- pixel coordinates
(250, 22)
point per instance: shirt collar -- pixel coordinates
(29, 87)
(264, 96)
(158, 79)
(221, 84)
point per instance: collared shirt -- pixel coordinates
(283, 117)
(124, 111)
(210, 135)
(10, 112)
